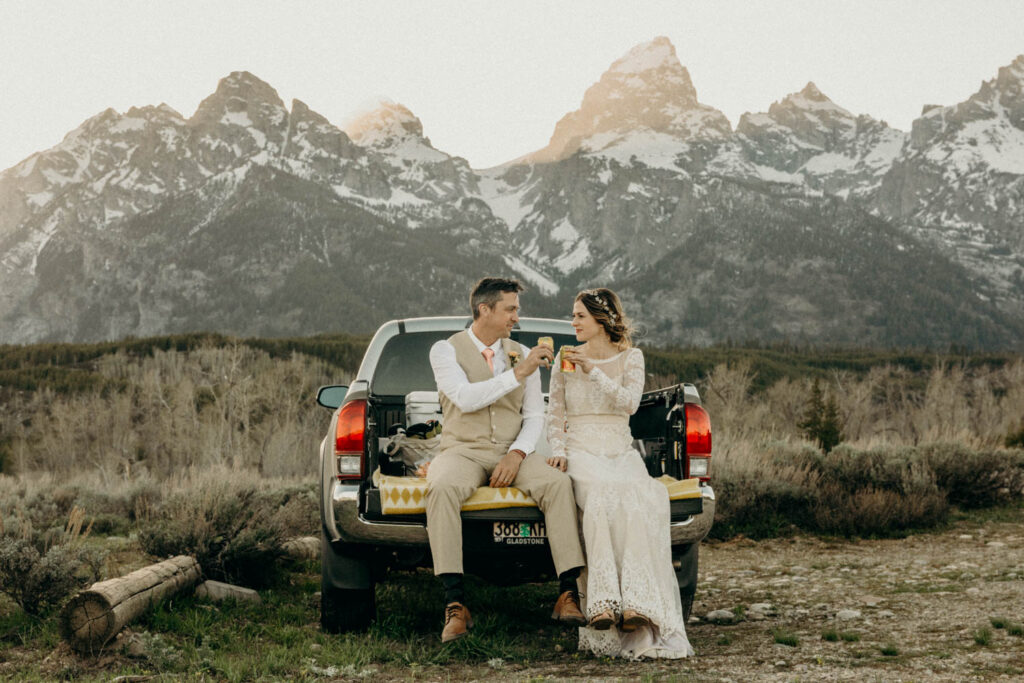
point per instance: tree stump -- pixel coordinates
(92, 618)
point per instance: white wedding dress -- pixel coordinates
(625, 513)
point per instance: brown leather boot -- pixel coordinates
(567, 610)
(457, 622)
(602, 621)
(632, 620)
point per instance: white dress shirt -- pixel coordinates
(472, 396)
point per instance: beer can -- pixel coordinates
(567, 365)
(548, 342)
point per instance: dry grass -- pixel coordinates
(888, 406)
(212, 407)
(916, 443)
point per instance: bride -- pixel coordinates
(629, 589)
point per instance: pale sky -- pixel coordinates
(488, 79)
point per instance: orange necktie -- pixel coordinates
(489, 356)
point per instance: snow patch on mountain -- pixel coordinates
(544, 284)
(991, 143)
(506, 202)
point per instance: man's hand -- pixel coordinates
(507, 468)
(558, 462)
(539, 356)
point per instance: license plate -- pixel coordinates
(520, 533)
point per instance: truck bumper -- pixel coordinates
(351, 527)
(696, 527)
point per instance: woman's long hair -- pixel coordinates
(606, 307)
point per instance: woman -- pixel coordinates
(629, 590)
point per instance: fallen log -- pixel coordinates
(303, 547)
(217, 590)
(92, 618)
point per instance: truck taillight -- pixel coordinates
(350, 440)
(698, 442)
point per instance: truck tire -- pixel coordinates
(347, 591)
(687, 600)
(346, 609)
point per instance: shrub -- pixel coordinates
(982, 636)
(976, 478)
(40, 578)
(233, 530)
(1014, 439)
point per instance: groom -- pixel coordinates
(493, 410)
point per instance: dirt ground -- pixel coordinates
(901, 610)
(911, 609)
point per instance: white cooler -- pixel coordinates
(421, 406)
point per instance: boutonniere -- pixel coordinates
(513, 358)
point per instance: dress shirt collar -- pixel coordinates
(480, 346)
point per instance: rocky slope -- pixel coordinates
(806, 222)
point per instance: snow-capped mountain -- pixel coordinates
(807, 222)
(644, 107)
(960, 182)
(807, 139)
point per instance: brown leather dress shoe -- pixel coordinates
(632, 620)
(567, 610)
(457, 622)
(602, 621)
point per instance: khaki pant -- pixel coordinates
(457, 472)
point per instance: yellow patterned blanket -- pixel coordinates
(405, 495)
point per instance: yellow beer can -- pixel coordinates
(567, 365)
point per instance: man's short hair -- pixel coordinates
(489, 290)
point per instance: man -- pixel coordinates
(489, 389)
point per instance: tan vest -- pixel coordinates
(493, 427)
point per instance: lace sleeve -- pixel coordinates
(629, 388)
(556, 414)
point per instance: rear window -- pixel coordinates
(404, 364)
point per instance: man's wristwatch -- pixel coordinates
(522, 455)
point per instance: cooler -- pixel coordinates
(421, 406)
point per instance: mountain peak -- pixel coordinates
(240, 92)
(1011, 76)
(646, 92)
(810, 99)
(811, 92)
(383, 124)
(656, 54)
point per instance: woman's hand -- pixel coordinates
(558, 462)
(579, 360)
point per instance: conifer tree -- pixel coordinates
(821, 421)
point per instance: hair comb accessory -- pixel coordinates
(604, 305)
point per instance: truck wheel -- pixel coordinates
(347, 601)
(346, 609)
(687, 600)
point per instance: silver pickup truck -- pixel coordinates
(372, 521)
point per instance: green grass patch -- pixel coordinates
(1016, 630)
(982, 636)
(785, 637)
(849, 636)
(999, 622)
(830, 635)
(889, 650)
